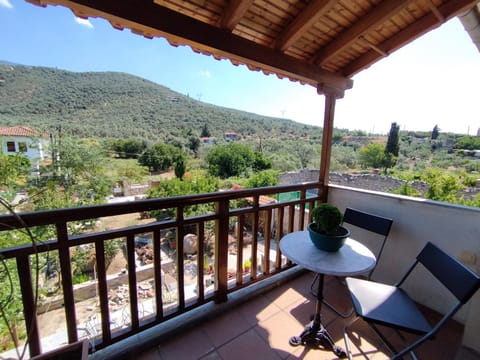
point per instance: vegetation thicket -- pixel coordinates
(123, 106)
(235, 159)
(161, 157)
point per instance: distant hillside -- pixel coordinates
(118, 105)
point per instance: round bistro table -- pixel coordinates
(351, 259)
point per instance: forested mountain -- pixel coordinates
(119, 105)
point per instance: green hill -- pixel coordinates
(119, 105)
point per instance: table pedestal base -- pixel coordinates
(315, 334)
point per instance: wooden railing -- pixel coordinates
(221, 233)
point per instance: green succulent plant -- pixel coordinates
(327, 218)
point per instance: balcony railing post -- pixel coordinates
(221, 250)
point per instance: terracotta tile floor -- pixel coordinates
(260, 329)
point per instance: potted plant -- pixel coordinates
(326, 230)
(247, 264)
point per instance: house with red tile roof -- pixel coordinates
(26, 141)
(230, 136)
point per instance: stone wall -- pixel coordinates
(374, 182)
(88, 289)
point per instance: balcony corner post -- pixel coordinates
(327, 136)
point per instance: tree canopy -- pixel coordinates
(160, 157)
(13, 169)
(372, 155)
(128, 148)
(177, 187)
(235, 159)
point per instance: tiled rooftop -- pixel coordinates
(17, 131)
(260, 329)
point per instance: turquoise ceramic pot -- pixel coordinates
(328, 243)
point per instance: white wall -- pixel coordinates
(454, 228)
(35, 150)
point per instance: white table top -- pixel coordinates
(353, 258)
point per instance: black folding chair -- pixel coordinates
(390, 306)
(374, 223)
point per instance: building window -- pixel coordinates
(11, 146)
(22, 147)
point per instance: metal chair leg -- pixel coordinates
(346, 339)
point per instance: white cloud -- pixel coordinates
(83, 22)
(6, 4)
(205, 74)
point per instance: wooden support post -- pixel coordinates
(327, 136)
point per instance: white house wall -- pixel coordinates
(35, 147)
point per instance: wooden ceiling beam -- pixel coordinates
(373, 19)
(233, 13)
(151, 19)
(305, 20)
(415, 30)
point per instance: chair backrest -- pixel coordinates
(456, 277)
(370, 222)
(462, 282)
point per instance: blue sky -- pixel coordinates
(432, 81)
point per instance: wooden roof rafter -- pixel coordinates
(233, 13)
(416, 29)
(373, 19)
(303, 22)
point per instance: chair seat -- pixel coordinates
(386, 305)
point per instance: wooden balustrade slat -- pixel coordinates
(67, 281)
(279, 235)
(266, 252)
(132, 282)
(239, 234)
(29, 302)
(301, 223)
(291, 218)
(255, 238)
(157, 265)
(103, 290)
(201, 261)
(180, 261)
(221, 250)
